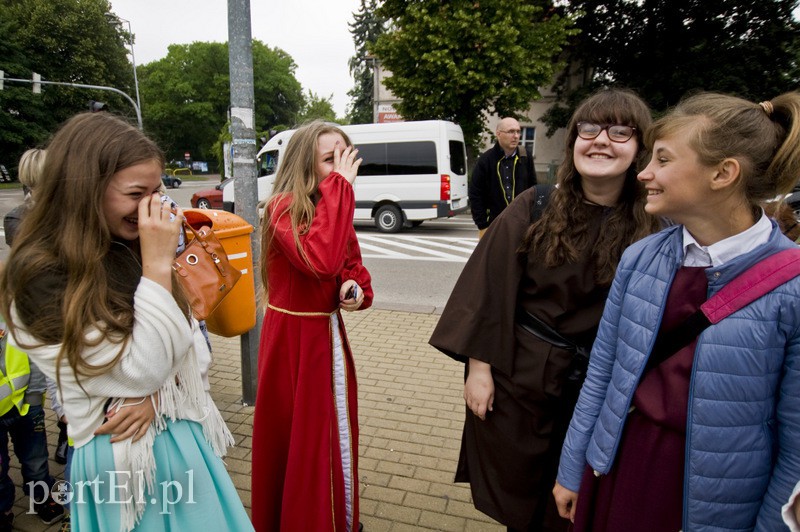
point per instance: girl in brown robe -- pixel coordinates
(555, 263)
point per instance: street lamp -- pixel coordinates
(115, 20)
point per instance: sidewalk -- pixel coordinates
(410, 414)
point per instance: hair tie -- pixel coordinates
(767, 107)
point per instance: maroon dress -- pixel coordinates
(644, 489)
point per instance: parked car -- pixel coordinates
(171, 181)
(209, 198)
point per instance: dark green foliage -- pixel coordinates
(366, 28)
(461, 59)
(63, 40)
(186, 95)
(317, 108)
(664, 49)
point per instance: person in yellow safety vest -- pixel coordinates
(22, 389)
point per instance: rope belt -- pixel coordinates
(306, 314)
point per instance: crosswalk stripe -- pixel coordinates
(451, 258)
(408, 247)
(467, 245)
(405, 246)
(386, 253)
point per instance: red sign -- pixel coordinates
(187, 155)
(389, 117)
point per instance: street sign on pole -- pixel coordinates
(37, 83)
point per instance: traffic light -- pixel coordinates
(96, 107)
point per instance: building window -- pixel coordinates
(528, 140)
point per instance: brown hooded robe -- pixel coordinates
(511, 458)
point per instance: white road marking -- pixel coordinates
(407, 247)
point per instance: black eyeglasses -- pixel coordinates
(616, 132)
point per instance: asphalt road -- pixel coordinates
(414, 269)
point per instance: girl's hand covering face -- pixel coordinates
(345, 162)
(158, 237)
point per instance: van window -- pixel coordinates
(458, 158)
(406, 158)
(268, 163)
(397, 158)
(373, 159)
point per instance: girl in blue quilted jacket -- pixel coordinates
(706, 436)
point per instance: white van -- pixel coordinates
(411, 172)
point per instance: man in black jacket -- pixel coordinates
(501, 174)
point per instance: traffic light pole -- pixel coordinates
(243, 143)
(82, 86)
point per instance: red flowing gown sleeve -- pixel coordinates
(354, 269)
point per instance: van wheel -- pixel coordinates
(388, 219)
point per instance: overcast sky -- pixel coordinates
(314, 32)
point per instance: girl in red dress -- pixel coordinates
(305, 433)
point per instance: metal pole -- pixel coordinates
(245, 184)
(133, 60)
(112, 18)
(376, 90)
(83, 86)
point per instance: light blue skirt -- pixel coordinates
(193, 490)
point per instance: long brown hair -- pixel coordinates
(58, 275)
(562, 233)
(296, 179)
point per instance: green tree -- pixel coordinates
(462, 59)
(665, 49)
(63, 40)
(186, 95)
(367, 25)
(317, 108)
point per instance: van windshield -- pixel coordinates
(268, 163)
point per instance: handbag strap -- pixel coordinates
(195, 234)
(198, 237)
(755, 282)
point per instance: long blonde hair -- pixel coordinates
(297, 180)
(58, 274)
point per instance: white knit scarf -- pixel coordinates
(181, 397)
